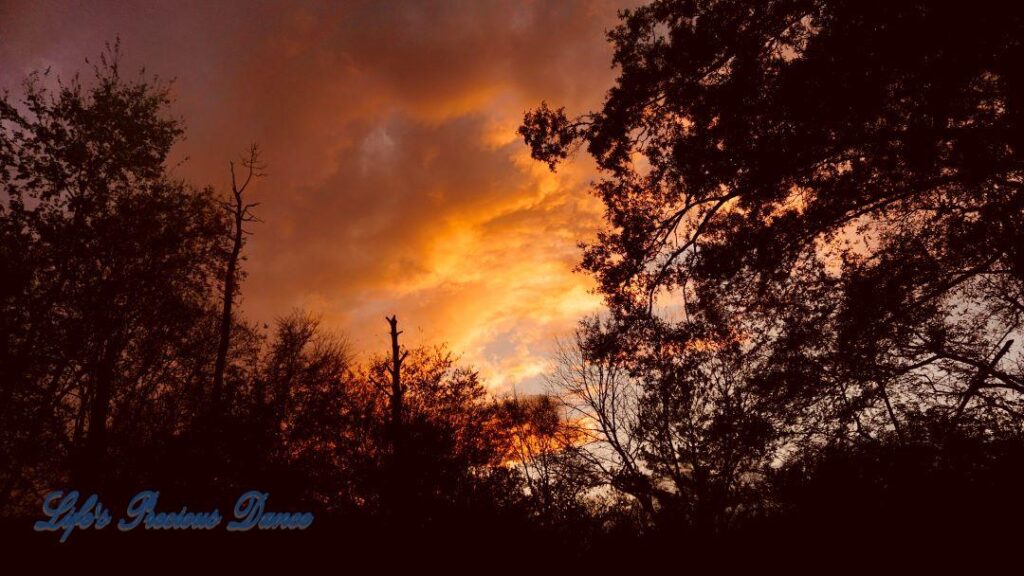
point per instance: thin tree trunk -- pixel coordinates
(230, 285)
(396, 379)
(240, 215)
(979, 381)
(397, 496)
(95, 449)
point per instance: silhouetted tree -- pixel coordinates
(831, 188)
(241, 213)
(452, 436)
(304, 404)
(111, 262)
(399, 472)
(666, 416)
(542, 444)
(605, 404)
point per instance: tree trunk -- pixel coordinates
(397, 490)
(240, 215)
(396, 380)
(230, 285)
(95, 450)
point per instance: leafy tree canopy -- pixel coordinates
(836, 185)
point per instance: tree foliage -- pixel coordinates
(107, 263)
(813, 224)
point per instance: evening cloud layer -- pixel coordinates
(397, 183)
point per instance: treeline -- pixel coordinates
(126, 364)
(813, 266)
(116, 280)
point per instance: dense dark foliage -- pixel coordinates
(108, 274)
(812, 257)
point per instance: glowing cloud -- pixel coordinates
(397, 182)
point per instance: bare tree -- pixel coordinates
(241, 213)
(394, 491)
(604, 404)
(671, 425)
(397, 390)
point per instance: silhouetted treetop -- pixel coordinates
(108, 268)
(837, 184)
(75, 138)
(733, 120)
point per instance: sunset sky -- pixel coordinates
(397, 183)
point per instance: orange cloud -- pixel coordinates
(397, 183)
